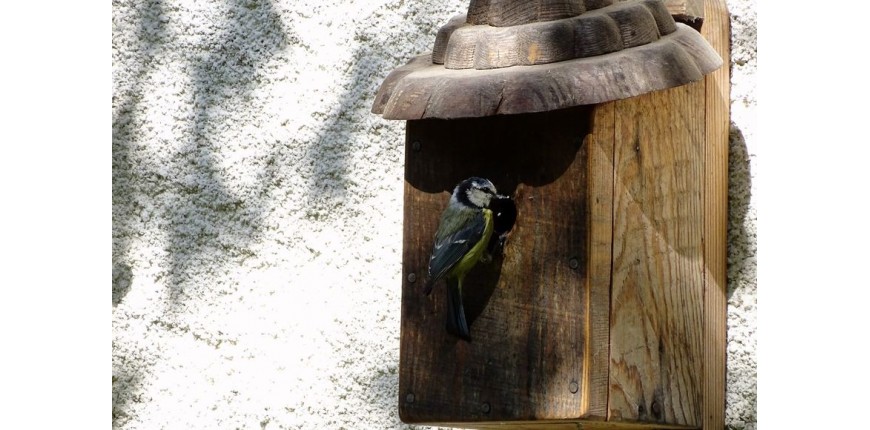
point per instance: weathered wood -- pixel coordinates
(423, 90)
(658, 282)
(664, 20)
(636, 25)
(439, 50)
(504, 13)
(689, 12)
(610, 29)
(600, 205)
(717, 31)
(528, 310)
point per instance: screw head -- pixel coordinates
(656, 408)
(574, 263)
(412, 277)
(485, 408)
(415, 145)
(573, 387)
(409, 398)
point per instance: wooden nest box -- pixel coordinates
(607, 123)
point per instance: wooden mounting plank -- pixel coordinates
(658, 283)
(600, 142)
(717, 31)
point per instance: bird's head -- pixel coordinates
(474, 192)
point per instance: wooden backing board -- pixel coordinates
(717, 31)
(528, 310)
(657, 282)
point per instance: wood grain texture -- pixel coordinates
(439, 50)
(589, 34)
(423, 90)
(528, 309)
(717, 31)
(658, 282)
(600, 143)
(689, 12)
(504, 13)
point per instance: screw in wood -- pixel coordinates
(573, 387)
(415, 145)
(409, 398)
(574, 263)
(656, 408)
(412, 277)
(485, 408)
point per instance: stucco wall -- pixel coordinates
(257, 212)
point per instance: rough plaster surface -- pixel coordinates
(257, 212)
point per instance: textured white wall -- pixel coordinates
(257, 212)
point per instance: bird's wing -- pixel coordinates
(453, 240)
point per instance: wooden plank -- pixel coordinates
(717, 31)
(658, 282)
(600, 143)
(423, 90)
(528, 309)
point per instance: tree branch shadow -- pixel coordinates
(210, 224)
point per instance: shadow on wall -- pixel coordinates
(209, 221)
(742, 283)
(206, 224)
(205, 215)
(126, 183)
(125, 384)
(741, 242)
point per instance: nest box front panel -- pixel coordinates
(528, 308)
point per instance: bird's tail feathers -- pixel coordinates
(456, 323)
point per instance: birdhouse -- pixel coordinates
(606, 122)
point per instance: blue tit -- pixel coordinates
(461, 240)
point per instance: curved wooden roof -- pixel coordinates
(603, 53)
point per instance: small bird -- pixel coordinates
(461, 240)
